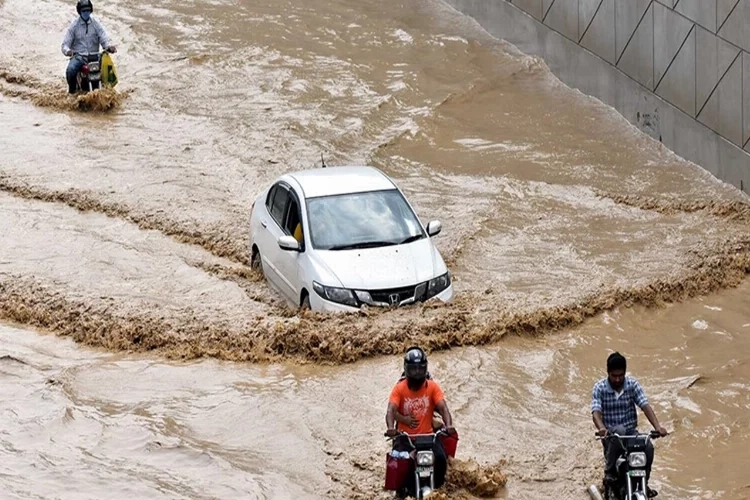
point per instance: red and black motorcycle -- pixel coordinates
(411, 472)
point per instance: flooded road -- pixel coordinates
(123, 425)
(565, 228)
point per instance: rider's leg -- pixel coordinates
(613, 450)
(400, 443)
(74, 66)
(649, 462)
(649, 459)
(441, 463)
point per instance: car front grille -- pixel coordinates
(393, 296)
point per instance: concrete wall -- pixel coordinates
(677, 69)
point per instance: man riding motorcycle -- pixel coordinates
(411, 405)
(613, 403)
(84, 36)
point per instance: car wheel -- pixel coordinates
(256, 262)
(305, 305)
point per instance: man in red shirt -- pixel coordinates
(411, 405)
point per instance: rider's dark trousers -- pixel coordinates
(441, 463)
(74, 66)
(613, 450)
(441, 460)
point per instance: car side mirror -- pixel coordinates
(288, 243)
(434, 228)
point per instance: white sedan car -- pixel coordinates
(336, 238)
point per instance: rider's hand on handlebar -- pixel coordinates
(69, 53)
(602, 433)
(112, 49)
(662, 431)
(450, 430)
(391, 432)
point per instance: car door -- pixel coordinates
(269, 232)
(287, 261)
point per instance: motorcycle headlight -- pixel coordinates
(637, 459)
(425, 458)
(338, 295)
(437, 285)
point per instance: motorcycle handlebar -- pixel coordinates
(651, 434)
(402, 433)
(90, 53)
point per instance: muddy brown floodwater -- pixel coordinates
(142, 358)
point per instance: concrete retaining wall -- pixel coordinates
(677, 69)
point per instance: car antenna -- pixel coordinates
(322, 160)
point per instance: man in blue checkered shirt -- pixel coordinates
(613, 403)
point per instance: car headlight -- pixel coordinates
(437, 285)
(425, 458)
(637, 459)
(334, 294)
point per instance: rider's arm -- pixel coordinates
(390, 416)
(651, 416)
(439, 401)
(642, 402)
(442, 408)
(596, 409)
(68, 40)
(104, 39)
(598, 421)
(394, 402)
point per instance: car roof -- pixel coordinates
(331, 181)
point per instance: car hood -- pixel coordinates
(385, 267)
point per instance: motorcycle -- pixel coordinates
(631, 468)
(418, 462)
(89, 77)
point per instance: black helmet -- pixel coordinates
(415, 364)
(84, 5)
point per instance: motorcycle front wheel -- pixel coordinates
(610, 493)
(83, 86)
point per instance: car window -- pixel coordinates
(292, 216)
(373, 218)
(278, 204)
(269, 198)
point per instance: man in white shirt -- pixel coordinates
(82, 41)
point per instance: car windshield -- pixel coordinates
(362, 220)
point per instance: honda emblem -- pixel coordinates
(393, 298)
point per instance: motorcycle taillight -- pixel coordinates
(85, 69)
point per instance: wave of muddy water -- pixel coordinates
(128, 231)
(48, 95)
